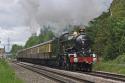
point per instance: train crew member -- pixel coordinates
(82, 31)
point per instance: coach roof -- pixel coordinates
(37, 45)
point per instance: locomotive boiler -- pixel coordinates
(70, 51)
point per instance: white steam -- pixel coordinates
(59, 13)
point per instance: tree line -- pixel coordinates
(45, 35)
(107, 33)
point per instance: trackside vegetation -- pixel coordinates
(107, 33)
(7, 75)
(110, 66)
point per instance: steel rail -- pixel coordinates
(108, 75)
(69, 78)
(59, 77)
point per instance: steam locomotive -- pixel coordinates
(70, 51)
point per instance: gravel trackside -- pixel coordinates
(29, 76)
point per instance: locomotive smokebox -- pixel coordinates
(82, 41)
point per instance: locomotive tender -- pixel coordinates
(70, 51)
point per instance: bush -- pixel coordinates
(120, 59)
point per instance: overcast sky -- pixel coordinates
(20, 18)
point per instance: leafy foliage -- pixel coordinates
(108, 33)
(15, 49)
(118, 8)
(45, 35)
(33, 40)
(120, 59)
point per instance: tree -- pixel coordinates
(33, 40)
(108, 36)
(45, 35)
(15, 49)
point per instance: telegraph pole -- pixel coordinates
(8, 44)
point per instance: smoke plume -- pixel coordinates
(60, 13)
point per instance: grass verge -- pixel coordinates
(7, 75)
(110, 67)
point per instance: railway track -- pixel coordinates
(108, 75)
(56, 76)
(75, 77)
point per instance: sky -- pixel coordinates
(20, 18)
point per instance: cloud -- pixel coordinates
(27, 12)
(41, 12)
(61, 12)
(16, 35)
(10, 14)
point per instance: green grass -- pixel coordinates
(110, 66)
(7, 75)
(116, 66)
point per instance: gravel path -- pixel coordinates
(28, 76)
